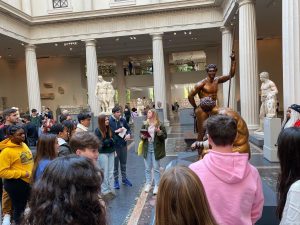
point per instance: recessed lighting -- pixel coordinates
(22, 44)
(0, 56)
(56, 44)
(117, 39)
(71, 49)
(190, 32)
(174, 33)
(184, 32)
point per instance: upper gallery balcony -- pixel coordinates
(36, 10)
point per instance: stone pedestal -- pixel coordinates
(272, 127)
(138, 123)
(185, 116)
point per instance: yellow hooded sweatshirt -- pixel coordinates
(15, 160)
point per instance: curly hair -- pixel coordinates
(207, 104)
(67, 193)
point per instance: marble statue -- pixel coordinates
(268, 99)
(139, 106)
(105, 94)
(208, 87)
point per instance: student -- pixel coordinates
(67, 193)
(46, 150)
(85, 144)
(15, 167)
(31, 131)
(118, 125)
(10, 117)
(292, 118)
(71, 128)
(84, 121)
(153, 148)
(106, 155)
(181, 199)
(62, 134)
(289, 177)
(232, 185)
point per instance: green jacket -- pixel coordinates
(159, 142)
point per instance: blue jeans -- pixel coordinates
(106, 162)
(149, 163)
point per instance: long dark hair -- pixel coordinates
(102, 127)
(289, 158)
(45, 149)
(181, 199)
(67, 193)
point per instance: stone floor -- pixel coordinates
(121, 208)
(176, 146)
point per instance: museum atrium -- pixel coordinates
(52, 51)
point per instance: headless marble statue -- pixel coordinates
(268, 100)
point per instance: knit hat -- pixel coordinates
(295, 107)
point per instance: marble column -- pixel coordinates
(33, 85)
(226, 63)
(121, 87)
(92, 75)
(290, 52)
(168, 84)
(159, 73)
(26, 6)
(248, 63)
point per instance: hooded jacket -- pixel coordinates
(233, 187)
(15, 160)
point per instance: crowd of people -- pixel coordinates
(74, 172)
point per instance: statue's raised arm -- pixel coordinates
(231, 74)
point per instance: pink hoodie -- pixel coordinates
(233, 187)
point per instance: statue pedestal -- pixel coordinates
(138, 123)
(272, 127)
(185, 116)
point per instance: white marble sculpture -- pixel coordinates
(268, 99)
(105, 94)
(139, 106)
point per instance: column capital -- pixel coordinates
(244, 2)
(30, 47)
(226, 29)
(157, 36)
(90, 42)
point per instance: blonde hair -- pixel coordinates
(155, 118)
(181, 199)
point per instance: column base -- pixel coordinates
(166, 123)
(252, 127)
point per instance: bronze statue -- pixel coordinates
(208, 87)
(241, 142)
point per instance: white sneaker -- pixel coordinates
(155, 190)
(147, 187)
(6, 219)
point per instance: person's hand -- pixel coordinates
(232, 56)
(27, 175)
(143, 136)
(157, 129)
(119, 130)
(194, 145)
(127, 137)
